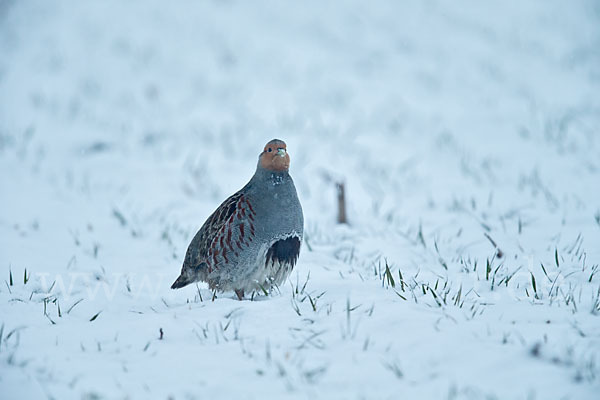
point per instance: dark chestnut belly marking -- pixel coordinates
(285, 251)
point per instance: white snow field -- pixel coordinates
(468, 137)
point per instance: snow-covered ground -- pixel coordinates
(454, 125)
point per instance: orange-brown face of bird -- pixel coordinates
(275, 157)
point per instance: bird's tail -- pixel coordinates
(182, 281)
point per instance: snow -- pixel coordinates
(124, 124)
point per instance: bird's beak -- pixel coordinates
(281, 152)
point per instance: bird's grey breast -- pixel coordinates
(278, 205)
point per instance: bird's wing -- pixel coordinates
(227, 230)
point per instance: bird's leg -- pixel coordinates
(239, 293)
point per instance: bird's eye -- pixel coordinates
(270, 150)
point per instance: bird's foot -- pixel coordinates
(240, 294)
